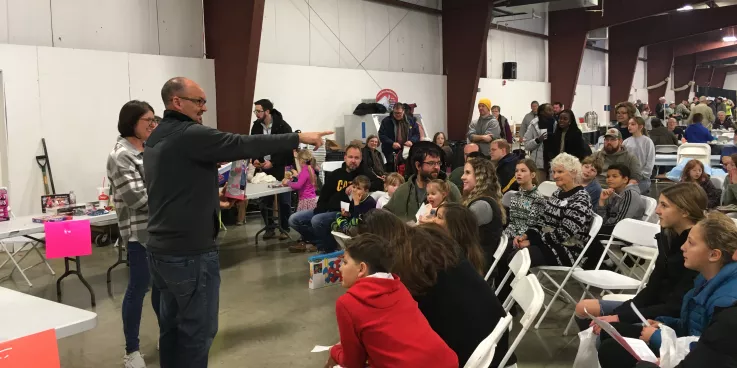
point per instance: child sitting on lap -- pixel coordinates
(378, 319)
(361, 202)
(437, 192)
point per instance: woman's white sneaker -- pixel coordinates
(134, 360)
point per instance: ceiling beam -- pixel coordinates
(700, 43)
(624, 11)
(714, 55)
(409, 6)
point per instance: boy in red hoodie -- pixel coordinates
(379, 322)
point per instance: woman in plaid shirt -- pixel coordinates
(125, 170)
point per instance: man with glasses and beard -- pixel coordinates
(269, 122)
(425, 160)
(614, 152)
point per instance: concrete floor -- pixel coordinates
(268, 316)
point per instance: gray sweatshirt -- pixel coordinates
(526, 123)
(628, 204)
(644, 149)
(622, 156)
(483, 126)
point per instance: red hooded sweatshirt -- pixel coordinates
(379, 321)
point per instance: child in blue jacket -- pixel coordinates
(708, 250)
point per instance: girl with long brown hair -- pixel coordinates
(526, 206)
(693, 172)
(462, 226)
(640, 145)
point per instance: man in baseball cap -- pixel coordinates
(484, 129)
(615, 152)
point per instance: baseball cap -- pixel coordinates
(614, 133)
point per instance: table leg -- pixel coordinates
(78, 272)
(120, 261)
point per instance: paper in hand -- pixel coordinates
(635, 348)
(345, 206)
(320, 349)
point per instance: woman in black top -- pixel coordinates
(372, 164)
(680, 207)
(568, 137)
(455, 299)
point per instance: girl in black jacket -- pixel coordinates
(680, 207)
(459, 305)
(567, 138)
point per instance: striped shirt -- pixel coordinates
(125, 171)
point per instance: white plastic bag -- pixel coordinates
(587, 356)
(673, 349)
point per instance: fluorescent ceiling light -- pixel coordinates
(729, 39)
(686, 8)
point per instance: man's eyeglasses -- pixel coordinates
(197, 101)
(432, 163)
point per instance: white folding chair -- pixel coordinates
(547, 188)
(697, 151)
(503, 242)
(667, 149)
(329, 166)
(376, 195)
(560, 288)
(519, 266)
(507, 198)
(718, 181)
(529, 295)
(340, 238)
(7, 244)
(484, 353)
(629, 230)
(650, 205)
(618, 297)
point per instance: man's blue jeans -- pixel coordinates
(315, 228)
(139, 280)
(188, 322)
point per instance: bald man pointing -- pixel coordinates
(180, 168)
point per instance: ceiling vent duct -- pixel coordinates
(598, 34)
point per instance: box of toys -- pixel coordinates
(4, 206)
(325, 269)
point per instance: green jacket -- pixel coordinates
(455, 177)
(405, 204)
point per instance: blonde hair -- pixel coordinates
(442, 185)
(487, 184)
(305, 157)
(720, 233)
(393, 179)
(569, 163)
(689, 198)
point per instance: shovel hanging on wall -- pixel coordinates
(45, 165)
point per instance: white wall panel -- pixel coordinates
(591, 98)
(79, 139)
(29, 22)
(106, 25)
(169, 27)
(731, 81)
(181, 28)
(528, 52)
(593, 68)
(342, 33)
(20, 77)
(303, 104)
(640, 79)
(148, 73)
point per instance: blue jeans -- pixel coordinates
(284, 202)
(138, 282)
(190, 291)
(315, 228)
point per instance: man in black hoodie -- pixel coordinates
(180, 168)
(270, 121)
(506, 165)
(314, 225)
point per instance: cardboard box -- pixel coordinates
(325, 269)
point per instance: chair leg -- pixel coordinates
(555, 296)
(5, 248)
(43, 258)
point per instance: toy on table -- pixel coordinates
(233, 188)
(53, 218)
(4, 206)
(54, 201)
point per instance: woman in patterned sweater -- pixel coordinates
(526, 206)
(567, 216)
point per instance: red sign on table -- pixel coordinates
(37, 351)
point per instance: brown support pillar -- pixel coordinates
(465, 31)
(702, 77)
(684, 68)
(623, 53)
(233, 39)
(566, 43)
(659, 62)
(720, 75)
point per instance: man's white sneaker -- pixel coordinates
(134, 360)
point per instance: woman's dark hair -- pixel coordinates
(382, 223)
(656, 123)
(541, 108)
(435, 138)
(418, 258)
(129, 115)
(462, 226)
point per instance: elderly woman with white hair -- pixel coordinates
(566, 220)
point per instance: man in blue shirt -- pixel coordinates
(696, 132)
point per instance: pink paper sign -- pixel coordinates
(38, 351)
(68, 239)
